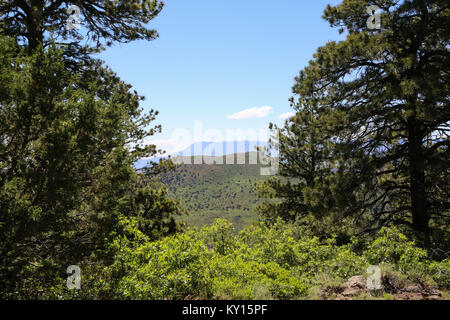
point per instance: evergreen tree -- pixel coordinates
(381, 119)
(32, 23)
(70, 133)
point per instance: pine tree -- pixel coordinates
(70, 133)
(33, 23)
(381, 99)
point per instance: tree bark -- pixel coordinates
(417, 178)
(34, 25)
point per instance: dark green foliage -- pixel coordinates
(67, 174)
(32, 23)
(69, 138)
(369, 143)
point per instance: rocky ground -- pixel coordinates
(391, 288)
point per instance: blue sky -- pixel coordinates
(217, 58)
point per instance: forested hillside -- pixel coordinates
(215, 191)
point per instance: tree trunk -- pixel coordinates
(34, 25)
(417, 178)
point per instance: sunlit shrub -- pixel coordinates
(261, 262)
(393, 247)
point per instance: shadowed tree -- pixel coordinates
(70, 133)
(32, 22)
(382, 103)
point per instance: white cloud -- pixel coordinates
(286, 115)
(260, 112)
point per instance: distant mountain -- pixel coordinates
(210, 149)
(215, 149)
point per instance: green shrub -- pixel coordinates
(260, 262)
(393, 247)
(440, 273)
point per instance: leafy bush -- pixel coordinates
(392, 247)
(440, 273)
(260, 262)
